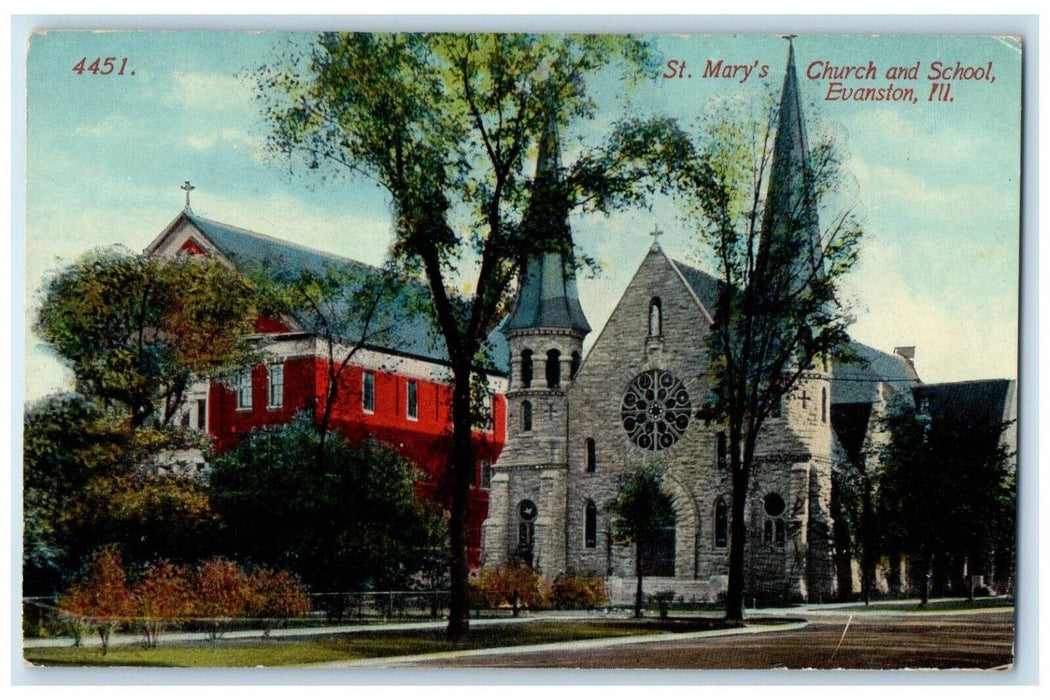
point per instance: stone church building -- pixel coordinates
(574, 425)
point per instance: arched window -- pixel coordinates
(574, 367)
(526, 530)
(591, 460)
(590, 525)
(553, 368)
(526, 416)
(774, 531)
(721, 451)
(824, 405)
(656, 321)
(526, 368)
(721, 523)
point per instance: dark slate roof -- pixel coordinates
(413, 333)
(704, 286)
(547, 297)
(858, 381)
(978, 404)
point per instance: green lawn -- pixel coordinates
(357, 646)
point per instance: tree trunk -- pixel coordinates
(737, 538)
(462, 461)
(867, 566)
(638, 577)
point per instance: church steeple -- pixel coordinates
(547, 297)
(791, 214)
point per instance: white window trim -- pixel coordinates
(364, 405)
(239, 384)
(408, 400)
(269, 386)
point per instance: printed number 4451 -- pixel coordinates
(100, 66)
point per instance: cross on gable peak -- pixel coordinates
(187, 188)
(656, 233)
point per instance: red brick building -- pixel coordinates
(396, 391)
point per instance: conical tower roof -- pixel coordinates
(547, 296)
(791, 214)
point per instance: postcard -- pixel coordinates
(512, 350)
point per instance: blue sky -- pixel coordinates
(939, 182)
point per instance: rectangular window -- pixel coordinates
(489, 419)
(243, 387)
(368, 392)
(276, 397)
(412, 409)
(202, 415)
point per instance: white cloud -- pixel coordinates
(209, 91)
(226, 137)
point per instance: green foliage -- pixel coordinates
(90, 481)
(757, 197)
(137, 330)
(641, 507)
(640, 510)
(938, 527)
(446, 124)
(345, 522)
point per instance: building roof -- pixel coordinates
(983, 403)
(858, 381)
(547, 296)
(704, 286)
(411, 333)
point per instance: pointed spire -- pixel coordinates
(790, 209)
(547, 297)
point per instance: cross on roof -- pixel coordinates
(656, 233)
(187, 188)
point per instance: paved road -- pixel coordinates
(905, 641)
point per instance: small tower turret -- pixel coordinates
(545, 332)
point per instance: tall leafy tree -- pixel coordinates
(89, 482)
(941, 529)
(446, 124)
(641, 510)
(754, 189)
(347, 522)
(137, 330)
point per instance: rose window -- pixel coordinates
(655, 410)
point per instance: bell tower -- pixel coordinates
(545, 332)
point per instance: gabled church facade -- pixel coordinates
(634, 400)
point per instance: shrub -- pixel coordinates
(573, 591)
(100, 597)
(162, 594)
(277, 594)
(514, 584)
(662, 600)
